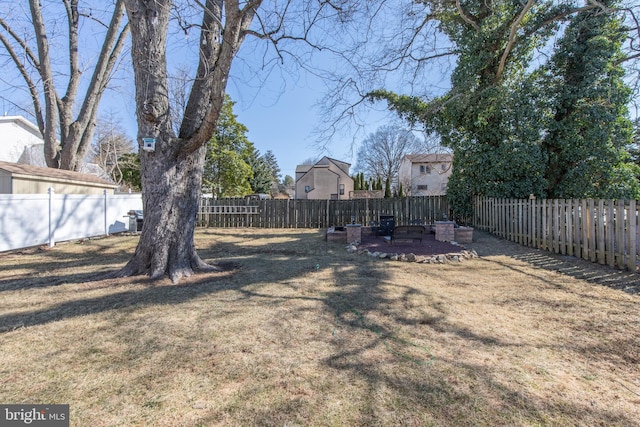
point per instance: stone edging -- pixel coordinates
(464, 254)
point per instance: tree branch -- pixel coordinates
(66, 104)
(512, 37)
(29, 53)
(237, 21)
(52, 156)
(33, 89)
(110, 51)
(466, 18)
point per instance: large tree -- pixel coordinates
(65, 103)
(173, 164)
(492, 116)
(172, 168)
(589, 130)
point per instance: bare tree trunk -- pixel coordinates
(170, 200)
(172, 171)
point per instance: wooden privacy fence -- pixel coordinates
(276, 213)
(602, 231)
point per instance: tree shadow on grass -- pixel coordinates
(364, 317)
(153, 292)
(487, 245)
(446, 391)
(42, 267)
(288, 259)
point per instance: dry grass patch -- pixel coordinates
(295, 331)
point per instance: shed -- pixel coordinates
(26, 179)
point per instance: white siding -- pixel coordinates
(16, 134)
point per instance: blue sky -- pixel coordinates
(284, 123)
(281, 116)
(278, 104)
(287, 123)
(281, 120)
(280, 110)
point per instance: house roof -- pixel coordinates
(26, 171)
(303, 168)
(323, 163)
(429, 158)
(337, 161)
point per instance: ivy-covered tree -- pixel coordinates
(495, 117)
(226, 173)
(494, 42)
(589, 131)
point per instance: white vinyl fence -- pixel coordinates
(39, 219)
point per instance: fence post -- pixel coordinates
(328, 219)
(106, 205)
(52, 240)
(632, 233)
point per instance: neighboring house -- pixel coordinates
(20, 141)
(425, 174)
(26, 179)
(326, 179)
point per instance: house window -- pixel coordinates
(307, 188)
(425, 169)
(342, 189)
(422, 187)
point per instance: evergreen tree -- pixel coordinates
(130, 168)
(265, 171)
(387, 188)
(226, 173)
